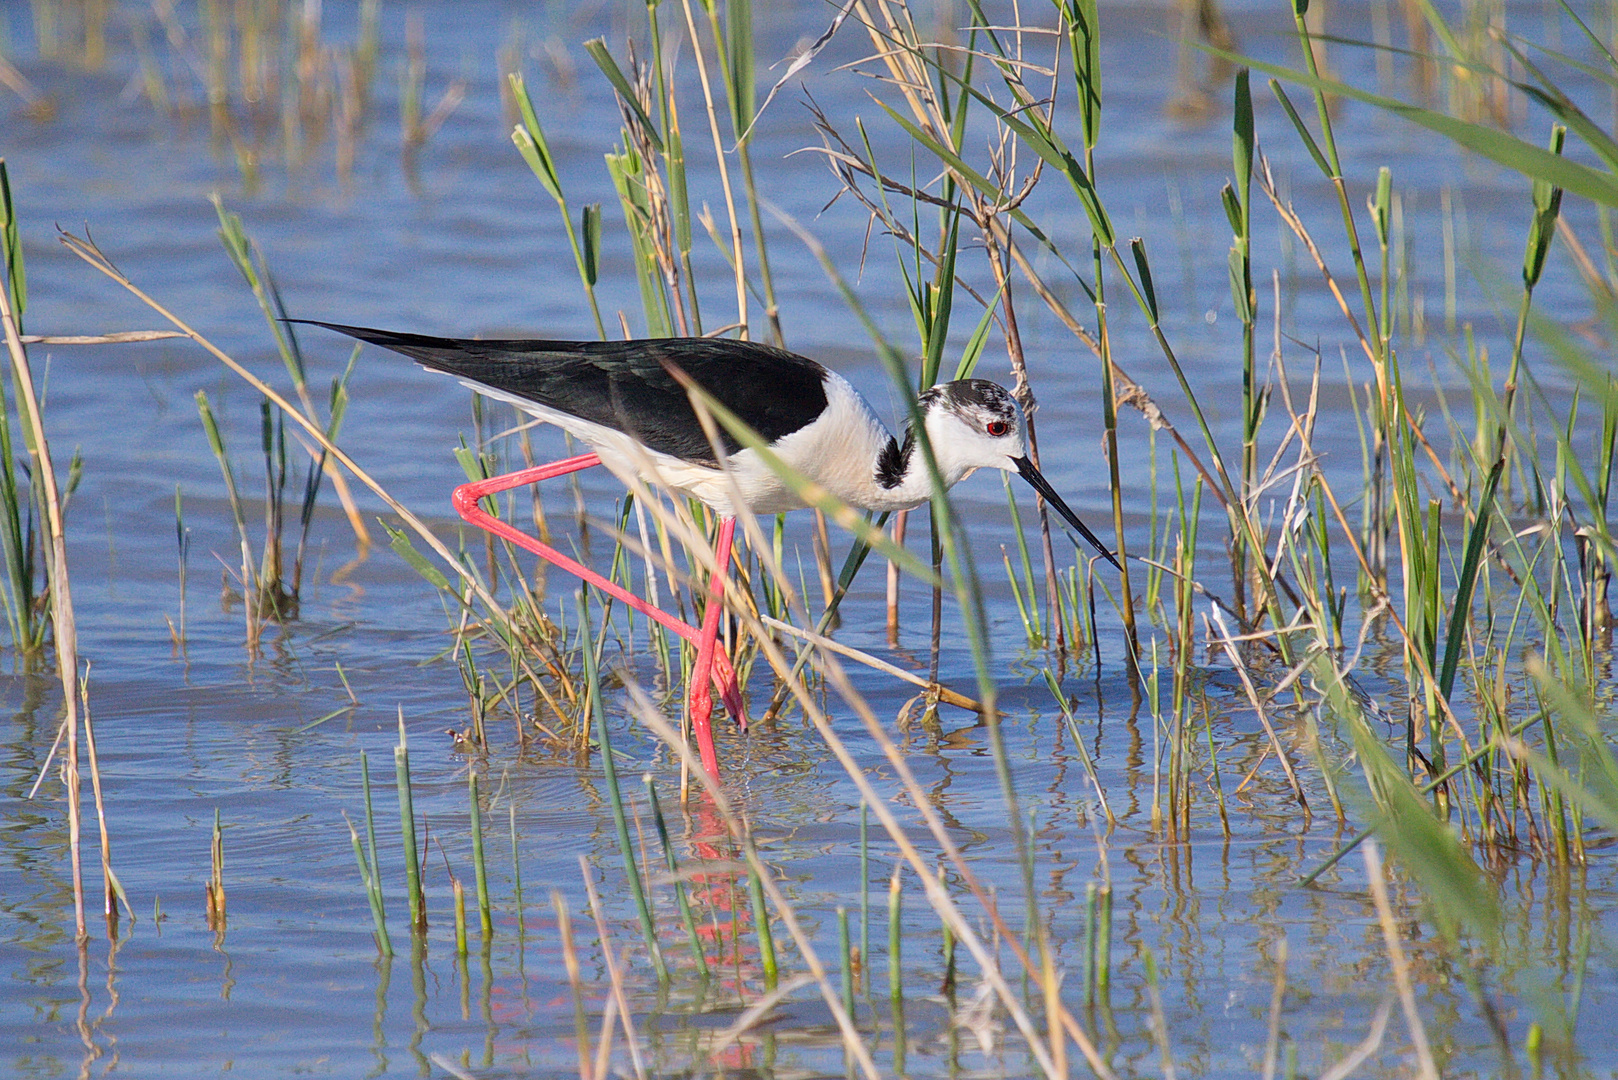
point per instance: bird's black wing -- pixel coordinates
(624, 384)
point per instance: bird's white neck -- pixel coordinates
(852, 455)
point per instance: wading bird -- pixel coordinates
(622, 398)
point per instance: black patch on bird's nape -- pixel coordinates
(894, 460)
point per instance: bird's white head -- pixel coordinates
(974, 424)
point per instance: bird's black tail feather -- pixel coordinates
(437, 353)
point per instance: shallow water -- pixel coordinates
(463, 241)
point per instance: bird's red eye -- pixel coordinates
(998, 428)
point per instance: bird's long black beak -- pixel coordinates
(1043, 486)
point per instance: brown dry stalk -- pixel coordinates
(64, 629)
(944, 693)
(90, 253)
(570, 962)
(620, 995)
(1266, 184)
(1258, 707)
(738, 265)
(1383, 600)
(119, 338)
(1129, 392)
(937, 895)
(666, 731)
(1398, 960)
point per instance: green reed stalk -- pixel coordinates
(1084, 43)
(215, 887)
(1030, 631)
(379, 925)
(529, 138)
(24, 610)
(896, 995)
(846, 951)
(895, 935)
(595, 707)
(11, 251)
(485, 916)
(852, 562)
(678, 194)
(1055, 687)
(1035, 627)
(1332, 165)
(368, 863)
(736, 70)
(687, 919)
(248, 259)
(250, 262)
(516, 877)
(182, 541)
(1238, 202)
(761, 921)
(953, 543)
(1035, 130)
(273, 598)
(370, 821)
(458, 893)
(1426, 789)
(407, 830)
(627, 169)
(1092, 922)
(1103, 943)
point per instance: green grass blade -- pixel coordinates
(1498, 146)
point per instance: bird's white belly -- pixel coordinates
(762, 491)
(837, 452)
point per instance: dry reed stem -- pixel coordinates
(1396, 957)
(652, 718)
(64, 628)
(738, 266)
(757, 1012)
(1368, 1046)
(945, 694)
(609, 1026)
(937, 895)
(121, 337)
(1266, 184)
(1128, 391)
(88, 251)
(113, 889)
(1258, 707)
(1272, 1043)
(620, 995)
(1383, 600)
(570, 963)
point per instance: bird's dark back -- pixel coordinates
(625, 385)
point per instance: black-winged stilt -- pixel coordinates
(620, 398)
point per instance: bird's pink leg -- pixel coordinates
(701, 696)
(466, 499)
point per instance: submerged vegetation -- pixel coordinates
(1424, 636)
